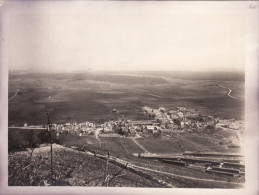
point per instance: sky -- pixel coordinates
(113, 35)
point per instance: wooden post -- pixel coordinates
(50, 125)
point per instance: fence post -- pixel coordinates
(50, 125)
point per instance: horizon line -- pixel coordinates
(97, 70)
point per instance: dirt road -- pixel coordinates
(142, 147)
(229, 91)
(16, 93)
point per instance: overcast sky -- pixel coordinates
(78, 36)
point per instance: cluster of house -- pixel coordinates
(180, 118)
(87, 128)
(159, 120)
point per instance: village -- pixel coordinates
(158, 120)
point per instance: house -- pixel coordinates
(182, 109)
(180, 114)
(164, 121)
(184, 123)
(161, 109)
(171, 126)
(147, 109)
(159, 117)
(132, 131)
(174, 116)
(156, 112)
(211, 122)
(108, 130)
(150, 128)
(91, 125)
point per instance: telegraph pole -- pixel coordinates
(50, 125)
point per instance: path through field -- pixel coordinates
(16, 93)
(136, 142)
(12, 97)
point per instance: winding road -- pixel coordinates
(229, 91)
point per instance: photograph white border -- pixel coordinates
(251, 108)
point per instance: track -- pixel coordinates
(229, 91)
(16, 93)
(12, 97)
(142, 147)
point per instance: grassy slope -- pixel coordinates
(69, 168)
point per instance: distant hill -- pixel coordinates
(104, 77)
(206, 75)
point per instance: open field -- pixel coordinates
(91, 97)
(181, 143)
(120, 145)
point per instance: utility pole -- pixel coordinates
(50, 125)
(78, 136)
